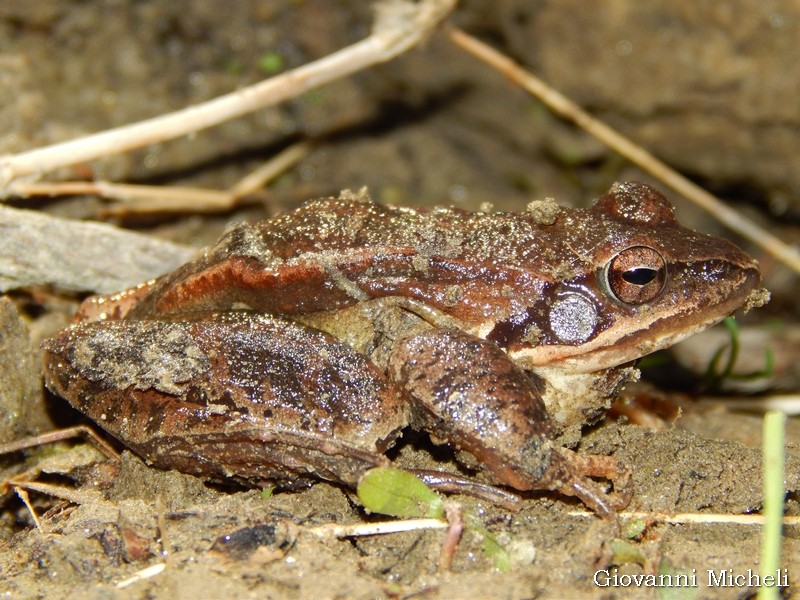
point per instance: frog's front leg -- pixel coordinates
(467, 391)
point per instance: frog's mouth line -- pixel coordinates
(630, 339)
(605, 357)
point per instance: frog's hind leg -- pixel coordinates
(230, 396)
(452, 483)
(467, 391)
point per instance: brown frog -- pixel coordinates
(299, 348)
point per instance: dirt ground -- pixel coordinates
(709, 88)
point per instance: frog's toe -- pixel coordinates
(580, 482)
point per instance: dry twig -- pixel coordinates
(23, 495)
(149, 199)
(566, 108)
(455, 529)
(383, 528)
(142, 574)
(59, 435)
(83, 496)
(689, 518)
(399, 25)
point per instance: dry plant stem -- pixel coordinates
(388, 527)
(154, 200)
(636, 154)
(167, 198)
(161, 520)
(398, 27)
(362, 529)
(58, 491)
(270, 170)
(142, 574)
(23, 495)
(172, 198)
(456, 527)
(687, 518)
(87, 433)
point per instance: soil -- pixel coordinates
(703, 85)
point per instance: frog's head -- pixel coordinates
(646, 283)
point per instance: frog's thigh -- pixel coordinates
(466, 390)
(234, 395)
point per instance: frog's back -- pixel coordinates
(334, 252)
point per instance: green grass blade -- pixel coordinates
(774, 424)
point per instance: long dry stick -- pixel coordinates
(399, 25)
(627, 148)
(690, 518)
(388, 527)
(148, 199)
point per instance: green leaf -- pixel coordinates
(398, 493)
(623, 552)
(716, 375)
(634, 528)
(494, 550)
(681, 591)
(271, 63)
(773, 465)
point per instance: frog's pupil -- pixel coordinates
(640, 276)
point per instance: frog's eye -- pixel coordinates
(636, 275)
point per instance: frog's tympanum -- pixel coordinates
(301, 347)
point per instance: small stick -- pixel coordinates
(398, 27)
(167, 197)
(278, 164)
(687, 518)
(455, 521)
(23, 495)
(633, 152)
(161, 521)
(362, 529)
(147, 199)
(56, 491)
(142, 574)
(388, 527)
(87, 433)
(197, 200)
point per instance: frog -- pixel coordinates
(303, 348)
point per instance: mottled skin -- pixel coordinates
(443, 319)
